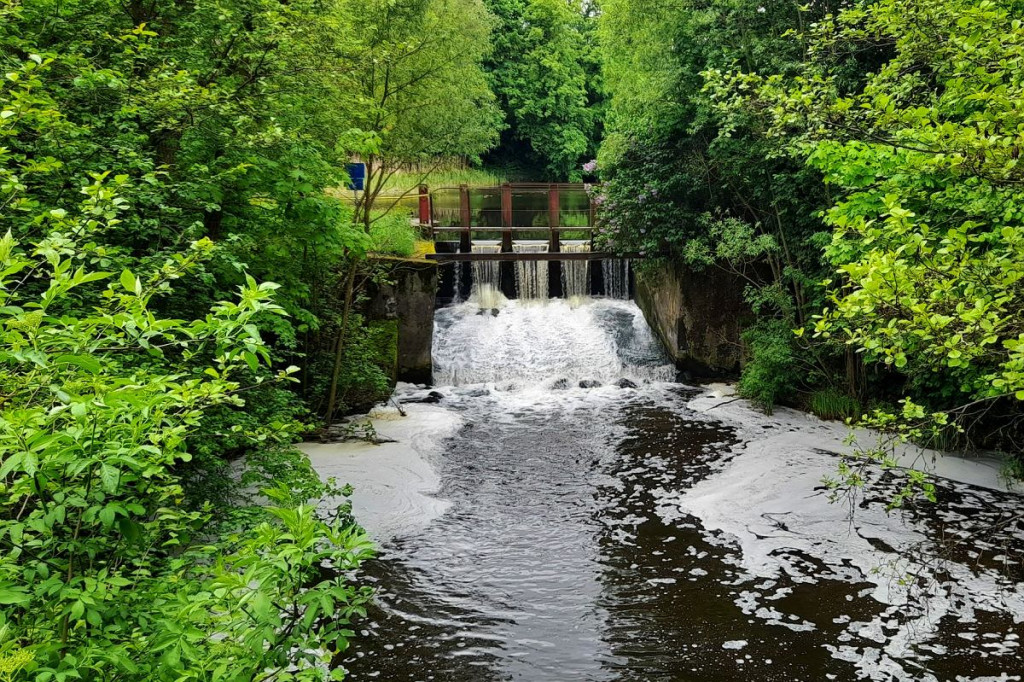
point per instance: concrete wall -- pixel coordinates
(410, 300)
(698, 315)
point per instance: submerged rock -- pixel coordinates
(590, 383)
(431, 398)
(625, 383)
(560, 385)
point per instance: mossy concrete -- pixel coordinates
(408, 296)
(697, 315)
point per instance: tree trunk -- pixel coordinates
(340, 349)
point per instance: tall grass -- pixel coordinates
(832, 404)
(393, 235)
(409, 181)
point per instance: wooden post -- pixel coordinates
(506, 217)
(465, 242)
(591, 218)
(425, 221)
(554, 212)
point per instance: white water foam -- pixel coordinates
(768, 497)
(543, 343)
(394, 481)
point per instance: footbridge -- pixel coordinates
(511, 222)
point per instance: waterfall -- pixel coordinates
(457, 282)
(486, 290)
(616, 278)
(531, 276)
(575, 273)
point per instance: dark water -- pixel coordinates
(553, 565)
(557, 559)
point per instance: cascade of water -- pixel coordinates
(487, 278)
(531, 276)
(553, 342)
(616, 278)
(575, 273)
(457, 282)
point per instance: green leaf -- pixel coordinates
(86, 362)
(128, 280)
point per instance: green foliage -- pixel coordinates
(543, 69)
(830, 403)
(423, 98)
(686, 180)
(394, 235)
(927, 228)
(112, 565)
(772, 372)
(104, 574)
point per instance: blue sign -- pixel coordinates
(356, 175)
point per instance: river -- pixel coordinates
(561, 509)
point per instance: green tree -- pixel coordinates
(543, 70)
(687, 180)
(927, 245)
(423, 98)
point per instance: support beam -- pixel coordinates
(425, 213)
(554, 217)
(544, 256)
(506, 217)
(465, 243)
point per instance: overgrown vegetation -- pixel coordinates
(158, 162)
(857, 165)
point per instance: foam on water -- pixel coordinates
(395, 481)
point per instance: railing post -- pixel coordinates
(425, 220)
(506, 217)
(554, 218)
(465, 242)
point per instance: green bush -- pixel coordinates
(394, 235)
(771, 373)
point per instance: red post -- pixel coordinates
(425, 221)
(465, 243)
(506, 217)
(554, 218)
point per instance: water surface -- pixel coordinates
(603, 523)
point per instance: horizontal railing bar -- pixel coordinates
(513, 229)
(532, 256)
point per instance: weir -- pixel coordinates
(486, 289)
(616, 278)
(575, 274)
(531, 276)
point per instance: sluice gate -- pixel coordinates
(522, 240)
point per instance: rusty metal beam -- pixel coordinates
(580, 255)
(477, 228)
